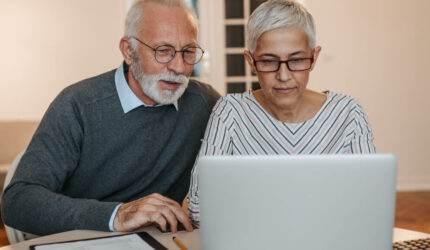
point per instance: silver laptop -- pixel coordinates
(334, 202)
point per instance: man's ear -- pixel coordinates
(250, 60)
(126, 50)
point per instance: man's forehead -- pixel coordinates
(173, 24)
(159, 11)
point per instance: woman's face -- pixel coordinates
(283, 88)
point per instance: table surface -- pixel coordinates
(191, 240)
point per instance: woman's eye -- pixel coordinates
(297, 61)
(269, 62)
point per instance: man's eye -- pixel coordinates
(164, 51)
(189, 51)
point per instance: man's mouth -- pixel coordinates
(169, 85)
(170, 82)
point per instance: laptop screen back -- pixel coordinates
(297, 202)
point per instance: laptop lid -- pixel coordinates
(297, 202)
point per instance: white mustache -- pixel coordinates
(171, 77)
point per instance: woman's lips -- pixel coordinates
(285, 90)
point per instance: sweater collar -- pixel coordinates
(128, 99)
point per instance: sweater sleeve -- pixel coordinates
(34, 201)
(216, 141)
(361, 140)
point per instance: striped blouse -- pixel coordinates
(240, 126)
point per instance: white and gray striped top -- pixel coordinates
(240, 126)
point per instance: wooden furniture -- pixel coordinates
(190, 240)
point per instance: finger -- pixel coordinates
(159, 219)
(179, 215)
(178, 212)
(185, 220)
(167, 212)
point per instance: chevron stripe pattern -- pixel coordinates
(240, 126)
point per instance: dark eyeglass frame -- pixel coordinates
(173, 49)
(286, 63)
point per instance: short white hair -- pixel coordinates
(275, 14)
(135, 15)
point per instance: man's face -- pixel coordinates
(163, 83)
(150, 83)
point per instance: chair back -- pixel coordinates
(14, 235)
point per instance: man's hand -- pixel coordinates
(150, 209)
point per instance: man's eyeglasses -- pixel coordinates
(296, 64)
(166, 53)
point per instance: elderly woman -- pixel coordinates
(283, 117)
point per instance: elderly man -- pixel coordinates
(114, 152)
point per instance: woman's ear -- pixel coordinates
(126, 49)
(250, 60)
(317, 51)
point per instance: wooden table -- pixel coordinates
(191, 240)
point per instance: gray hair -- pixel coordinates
(275, 14)
(135, 15)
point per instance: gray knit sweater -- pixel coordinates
(87, 156)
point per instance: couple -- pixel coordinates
(115, 152)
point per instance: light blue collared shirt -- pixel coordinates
(129, 101)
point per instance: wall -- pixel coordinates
(377, 51)
(49, 44)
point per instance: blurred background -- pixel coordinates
(375, 51)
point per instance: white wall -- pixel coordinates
(378, 52)
(46, 45)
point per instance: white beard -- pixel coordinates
(149, 83)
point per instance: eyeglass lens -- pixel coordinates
(298, 64)
(191, 55)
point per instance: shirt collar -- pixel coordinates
(128, 99)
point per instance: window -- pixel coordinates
(239, 77)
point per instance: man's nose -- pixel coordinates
(177, 64)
